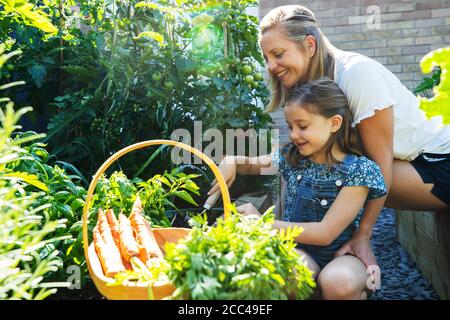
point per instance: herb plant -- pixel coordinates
(239, 258)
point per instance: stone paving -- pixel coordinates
(400, 278)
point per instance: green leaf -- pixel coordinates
(152, 35)
(185, 196)
(38, 73)
(80, 71)
(31, 179)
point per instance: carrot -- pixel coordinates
(105, 229)
(109, 259)
(148, 247)
(114, 225)
(107, 236)
(128, 245)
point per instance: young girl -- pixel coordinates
(328, 183)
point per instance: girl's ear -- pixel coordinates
(336, 123)
(311, 45)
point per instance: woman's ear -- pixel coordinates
(336, 123)
(311, 45)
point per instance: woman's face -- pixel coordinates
(285, 59)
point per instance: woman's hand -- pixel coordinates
(248, 210)
(227, 168)
(359, 246)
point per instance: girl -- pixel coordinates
(328, 182)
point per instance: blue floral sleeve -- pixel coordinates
(279, 161)
(365, 172)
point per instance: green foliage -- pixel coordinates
(439, 104)
(142, 70)
(240, 258)
(24, 256)
(28, 13)
(27, 232)
(30, 26)
(428, 83)
(56, 195)
(157, 194)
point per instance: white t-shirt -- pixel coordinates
(369, 86)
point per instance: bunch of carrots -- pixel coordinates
(127, 243)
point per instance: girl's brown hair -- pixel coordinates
(297, 22)
(323, 97)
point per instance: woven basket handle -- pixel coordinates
(140, 145)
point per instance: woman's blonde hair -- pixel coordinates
(297, 22)
(323, 97)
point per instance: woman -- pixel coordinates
(412, 152)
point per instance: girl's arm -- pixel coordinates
(340, 215)
(232, 165)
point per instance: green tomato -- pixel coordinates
(168, 85)
(10, 67)
(247, 69)
(255, 85)
(77, 203)
(156, 76)
(249, 79)
(258, 76)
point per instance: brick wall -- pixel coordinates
(426, 236)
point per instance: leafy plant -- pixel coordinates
(56, 194)
(145, 69)
(428, 83)
(439, 104)
(28, 14)
(26, 230)
(157, 194)
(240, 258)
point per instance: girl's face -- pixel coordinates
(285, 59)
(309, 131)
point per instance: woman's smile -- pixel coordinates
(282, 74)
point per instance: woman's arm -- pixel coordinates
(377, 135)
(340, 215)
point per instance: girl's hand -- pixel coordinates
(248, 210)
(228, 169)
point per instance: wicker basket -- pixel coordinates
(162, 235)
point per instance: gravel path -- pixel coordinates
(400, 278)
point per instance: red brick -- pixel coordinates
(429, 5)
(413, 15)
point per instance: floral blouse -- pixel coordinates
(363, 172)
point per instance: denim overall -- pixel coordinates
(314, 198)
